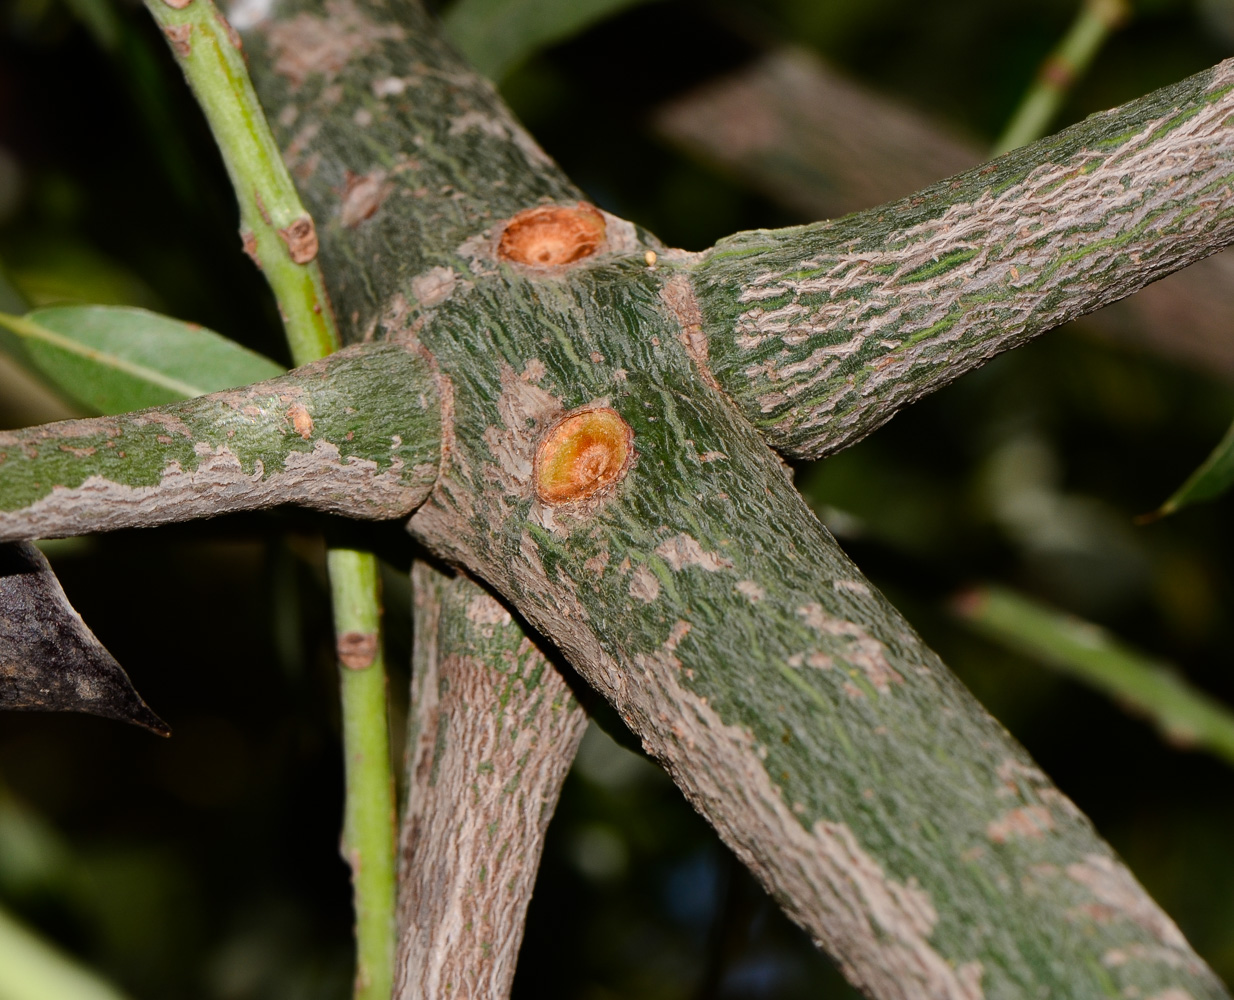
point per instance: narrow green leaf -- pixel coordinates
(1210, 480)
(1183, 714)
(118, 358)
(33, 969)
(497, 35)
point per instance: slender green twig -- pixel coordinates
(1062, 67)
(1185, 716)
(369, 813)
(31, 969)
(280, 236)
(276, 230)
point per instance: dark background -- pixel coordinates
(206, 866)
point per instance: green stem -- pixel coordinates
(1062, 67)
(280, 236)
(31, 969)
(1185, 716)
(277, 232)
(369, 814)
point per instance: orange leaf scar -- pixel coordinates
(552, 235)
(586, 452)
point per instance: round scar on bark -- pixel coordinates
(552, 235)
(583, 453)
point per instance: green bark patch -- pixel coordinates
(929, 287)
(357, 432)
(797, 710)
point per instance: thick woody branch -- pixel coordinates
(824, 146)
(355, 434)
(595, 478)
(822, 333)
(493, 730)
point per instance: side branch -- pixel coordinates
(821, 333)
(493, 731)
(594, 479)
(356, 434)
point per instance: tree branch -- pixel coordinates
(356, 434)
(824, 146)
(593, 477)
(369, 807)
(493, 730)
(281, 237)
(822, 333)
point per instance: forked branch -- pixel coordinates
(673, 563)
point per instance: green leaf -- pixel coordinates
(118, 358)
(497, 35)
(1210, 480)
(50, 660)
(32, 968)
(1183, 714)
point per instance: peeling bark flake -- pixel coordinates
(683, 550)
(678, 295)
(1025, 821)
(597, 563)
(1115, 888)
(308, 44)
(434, 286)
(861, 649)
(644, 585)
(301, 420)
(362, 196)
(751, 591)
(248, 241)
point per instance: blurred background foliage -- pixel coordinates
(206, 866)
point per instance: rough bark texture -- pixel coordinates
(357, 434)
(824, 146)
(493, 730)
(820, 334)
(798, 711)
(49, 660)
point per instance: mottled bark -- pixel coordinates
(493, 730)
(824, 146)
(798, 711)
(822, 333)
(355, 434)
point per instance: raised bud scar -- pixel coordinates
(586, 452)
(552, 235)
